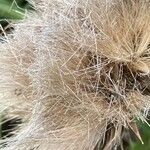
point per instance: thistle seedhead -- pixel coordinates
(78, 74)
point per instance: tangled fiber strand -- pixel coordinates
(77, 74)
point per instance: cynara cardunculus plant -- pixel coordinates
(77, 73)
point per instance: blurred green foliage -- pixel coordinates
(145, 134)
(13, 10)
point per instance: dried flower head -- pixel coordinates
(78, 74)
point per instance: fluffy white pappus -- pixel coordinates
(77, 73)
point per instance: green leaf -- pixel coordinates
(145, 133)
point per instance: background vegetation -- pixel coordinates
(13, 10)
(16, 9)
